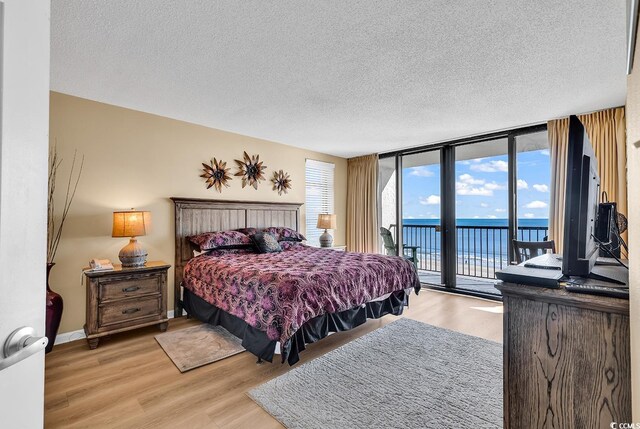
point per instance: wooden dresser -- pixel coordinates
(566, 359)
(125, 299)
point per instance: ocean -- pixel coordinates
(481, 243)
(480, 222)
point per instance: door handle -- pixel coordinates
(21, 344)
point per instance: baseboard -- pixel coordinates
(67, 337)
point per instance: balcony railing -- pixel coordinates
(481, 250)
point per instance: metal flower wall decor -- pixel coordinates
(251, 170)
(216, 175)
(281, 182)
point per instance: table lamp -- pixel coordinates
(326, 221)
(133, 223)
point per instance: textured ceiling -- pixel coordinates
(344, 77)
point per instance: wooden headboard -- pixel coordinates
(194, 216)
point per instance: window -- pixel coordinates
(463, 202)
(319, 196)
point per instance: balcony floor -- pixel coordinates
(463, 283)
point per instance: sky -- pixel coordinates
(481, 188)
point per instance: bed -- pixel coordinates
(279, 302)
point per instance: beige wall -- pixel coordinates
(135, 159)
(633, 179)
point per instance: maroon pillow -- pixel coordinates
(248, 231)
(285, 234)
(221, 240)
(287, 245)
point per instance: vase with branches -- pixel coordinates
(54, 234)
(54, 230)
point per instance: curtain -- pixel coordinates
(362, 205)
(607, 132)
(558, 131)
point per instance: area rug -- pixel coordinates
(406, 374)
(199, 345)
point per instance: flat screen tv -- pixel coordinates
(580, 249)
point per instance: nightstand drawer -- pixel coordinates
(129, 310)
(119, 288)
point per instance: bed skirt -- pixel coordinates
(315, 329)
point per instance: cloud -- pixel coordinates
(545, 152)
(490, 217)
(541, 188)
(528, 215)
(536, 205)
(485, 205)
(491, 167)
(493, 186)
(431, 200)
(421, 172)
(469, 185)
(501, 210)
(465, 189)
(469, 179)
(523, 184)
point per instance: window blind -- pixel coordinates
(319, 196)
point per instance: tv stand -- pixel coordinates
(567, 360)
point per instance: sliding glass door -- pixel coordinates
(387, 200)
(482, 215)
(421, 213)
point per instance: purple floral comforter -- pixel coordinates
(278, 292)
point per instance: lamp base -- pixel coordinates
(133, 255)
(326, 240)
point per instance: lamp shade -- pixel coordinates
(130, 223)
(327, 221)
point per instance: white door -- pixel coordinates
(24, 81)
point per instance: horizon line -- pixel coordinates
(475, 218)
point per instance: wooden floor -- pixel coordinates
(128, 382)
(463, 283)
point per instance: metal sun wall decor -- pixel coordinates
(281, 182)
(251, 170)
(216, 175)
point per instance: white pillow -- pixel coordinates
(199, 252)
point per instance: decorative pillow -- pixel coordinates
(221, 240)
(285, 234)
(248, 231)
(287, 245)
(266, 242)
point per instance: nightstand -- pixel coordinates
(123, 299)
(342, 248)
